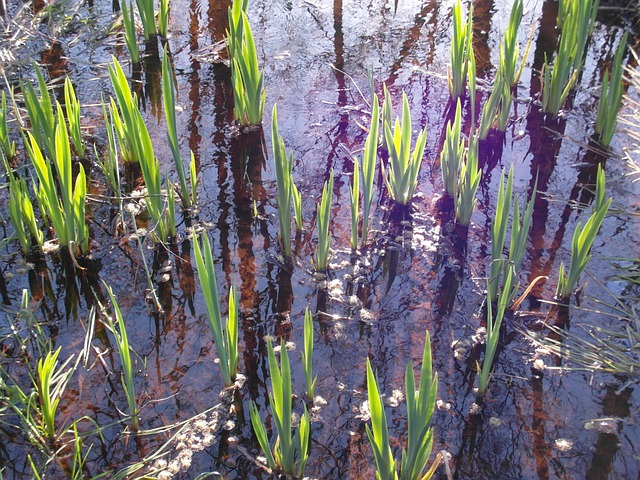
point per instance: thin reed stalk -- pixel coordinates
(40, 111)
(499, 234)
(402, 174)
(354, 196)
(163, 18)
(22, 214)
(7, 146)
(324, 221)
(119, 330)
(225, 336)
(493, 329)
(290, 451)
(369, 160)
(169, 99)
(307, 355)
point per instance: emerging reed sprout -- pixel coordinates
(307, 355)
(401, 176)
(63, 203)
(133, 133)
(494, 323)
(40, 112)
(225, 336)
(72, 106)
(496, 111)
(610, 97)
(169, 99)
(7, 146)
(452, 154)
(582, 241)
(147, 12)
(354, 196)
(576, 18)
(369, 160)
(130, 32)
(296, 196)
(324, 220)
(249, 94)
(461, 50)
(520, 225)
(163, 18)
(290, 452)
(22, 213)
(469, 180)
(378, 433)
(51, 382)
(284, 181)
(509, 46)
(119, 331)
(420, 407)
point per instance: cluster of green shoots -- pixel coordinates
(461, 50)
(249, 94)
(610, 97)
(288, 193)
(224, 335)
(420, 407)
(401, 174)
(576, 19)
(136, 146)
(460, 173)
(150, 28)
(582, 241)
(289, 453)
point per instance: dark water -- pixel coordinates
(419, 272)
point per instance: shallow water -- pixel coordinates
(419, 272)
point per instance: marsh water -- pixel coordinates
(419, 271)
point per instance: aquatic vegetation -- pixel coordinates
(420, 406)
(225, 336)
(284, 181)
(520, 226)
(496, 111)
(235, 33)
(324, 221)
(461, 50)
(354, 197)
(469, 180)
(610, 97)
(452, 154)
(401, 175)
(147, 12)
(369, 160)
(582, 241)
(63, 203)
(40, 111)
(109, 163)
(118, 328)
(509, 46)
(249, 94)
(163, 18)
(6, 144)
(307, 354)
(72, 106)
(296, 196)
(50, 386)
(22, 213)
(290, 452)
(130, 32)
(494, 323)
(378, 433)
(576, 19)
(169, 99)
